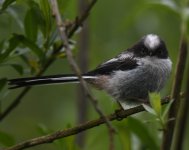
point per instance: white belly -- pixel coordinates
(149, 76)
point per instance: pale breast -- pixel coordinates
(149, 76)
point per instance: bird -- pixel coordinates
(128, 78)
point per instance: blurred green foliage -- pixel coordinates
(27, 37)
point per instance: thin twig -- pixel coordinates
(169, 131)
(76, 25)
(75, 68)
(117, 115)
(111, 139)
(180, 127)
(79, 21)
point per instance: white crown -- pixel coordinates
(151, 41)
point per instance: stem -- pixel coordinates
(180, 128)
(169, 130)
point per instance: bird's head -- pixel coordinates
(150, 45)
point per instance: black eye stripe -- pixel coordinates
(144, 50)
(158, 51)
(140, 50)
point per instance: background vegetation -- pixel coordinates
(28, 35)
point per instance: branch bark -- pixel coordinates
(78, 22)
(75, 68)
(182, 118)
(169, 131)
(117, 115)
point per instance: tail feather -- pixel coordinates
(53, 79)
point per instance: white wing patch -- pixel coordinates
(109, 61)
(122, 56)
(125, 55)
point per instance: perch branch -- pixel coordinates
(117, 115)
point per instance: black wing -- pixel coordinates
(109, 67)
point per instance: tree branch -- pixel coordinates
(169, 131)
(117, 115)
(180, 128)
(76, 25)
(78, 22)
(74, 66)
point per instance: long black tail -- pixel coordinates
(53, 79)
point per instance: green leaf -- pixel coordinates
(6, 4)
(18, 68)
(25, 59)
(47, 15)
(31, 25)
(13, 43)
(142, 132)
(155, 101)
(124, 134)
(6, 139)
(167, 108)
(46, 9)
(125, 138)
(30, 44)
(51, 40)
(3, 82)
(149, 109)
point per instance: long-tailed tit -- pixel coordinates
(128, 77)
